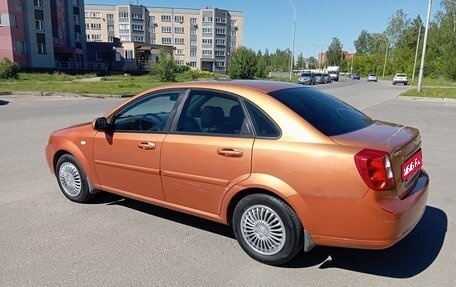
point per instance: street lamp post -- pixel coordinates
(420, 76)
(386, 56)
(293, 38)
(416, 52)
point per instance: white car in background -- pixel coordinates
(372, 78)
(400, 78)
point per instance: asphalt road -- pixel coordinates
(46, 240)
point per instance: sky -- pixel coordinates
(268, 24)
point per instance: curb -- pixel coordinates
(54, 94)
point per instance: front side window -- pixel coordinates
(326, 113)
(148, 114)
(210, 112)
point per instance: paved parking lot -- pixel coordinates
(47, 240)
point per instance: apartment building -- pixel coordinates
(201, 38)
(42, 33)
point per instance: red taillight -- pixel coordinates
(374, 166)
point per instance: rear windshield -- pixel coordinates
(326, 113)
(306, 75)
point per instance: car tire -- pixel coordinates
(72, 179)
(258, 216)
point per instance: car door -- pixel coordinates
(208, 150)
(127, 158)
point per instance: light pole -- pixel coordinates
(293, 38)
(416, 52)
(420, 76)
(386, 56)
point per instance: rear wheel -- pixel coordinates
(267, 229)
(72, 179)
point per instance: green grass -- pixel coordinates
(110, 85)
(431, 92)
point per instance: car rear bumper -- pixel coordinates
(365, 223)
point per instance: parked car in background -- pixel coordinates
(400, 78)
(307, 78)
(327, 78)
(372, 78)
(319, 78)
(356, 76)
(288, 167)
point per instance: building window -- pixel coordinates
(96, 37)
(88, 37)
(137, 38)
(87, 26)
(233, 44)
(220, 64)
(125, 38)
(179, 41)
(166, 18)
(192, 64)
(0, 19)
(179, 30)
(153, 40)
(39, 25)
(38, 3)
(75, 2)
(129, 55)
(166, 40)
(219, 53)
(95, 26)
(180, 62)
(20, 47)
(193, 32)
(152, 19)
(233, 22)
(86, 14)
(123, 15)
(207, 41)
(152, 30)
(193, 21)
(220, 42)
(77, 36)
(207, 52)
(193, 43)
(124, 27)
(233, 33)
(41, 43)
(220, 20)
(207, 19)
(192, 53)
(110, 16)
(207, 30)
(220, 31)
(137, 27)
(179, 19)
(95, 15)
(166, 29)
(180, 52)
(138, 16)
(76, 19)
(110, 27)
(13, 23)
(111, 39)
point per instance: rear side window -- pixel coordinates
(326, 113)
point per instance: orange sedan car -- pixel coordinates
(288, 167)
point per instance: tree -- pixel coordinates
(165, 67)
(397, 25)
(334, 54)
(312, 63)
(262, 70)
(9, 69)
(243, 64)
(300, 62)
(364, 43)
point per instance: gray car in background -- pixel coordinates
(307, 78)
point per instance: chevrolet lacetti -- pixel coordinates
(288, 167)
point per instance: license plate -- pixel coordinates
(412, 165)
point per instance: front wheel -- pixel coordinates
(267, 229)
(72, 179)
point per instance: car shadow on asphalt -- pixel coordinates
(3, 103)
(409, 257)
(168, 214)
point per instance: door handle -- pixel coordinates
(146, 145)
(230, 152)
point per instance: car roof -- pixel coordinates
(259, 85)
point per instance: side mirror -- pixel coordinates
(101, 125)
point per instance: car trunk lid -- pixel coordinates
(402, 143)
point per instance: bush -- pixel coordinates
(9, 69)
(165, 68)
